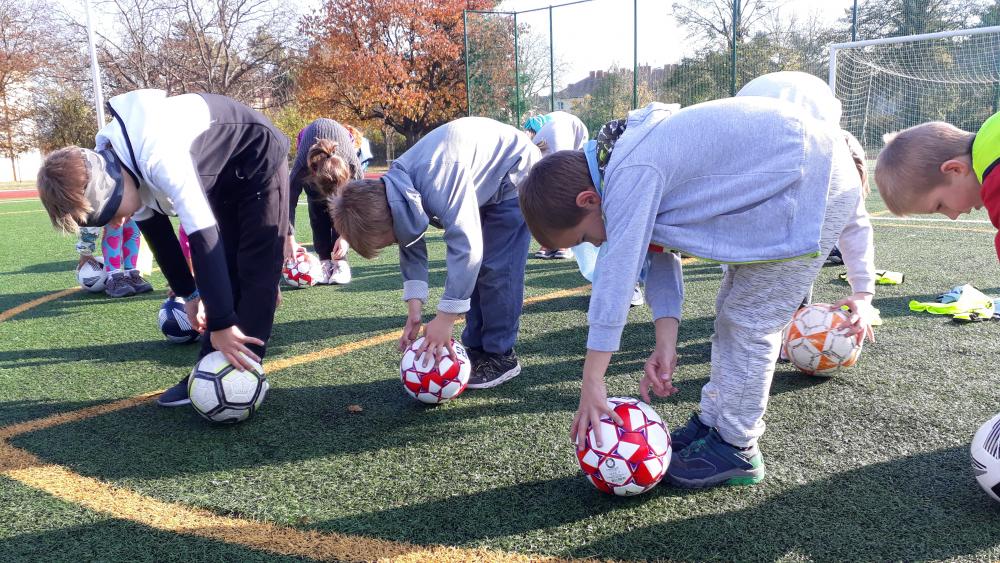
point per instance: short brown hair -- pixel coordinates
(62, 180)
(548, 194)
(362, 216)
(328, 171)
(909, 165)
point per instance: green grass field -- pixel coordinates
(870, 465)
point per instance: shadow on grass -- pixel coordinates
(47, 268)
(117, 540)
(23, 409)
(920, 507)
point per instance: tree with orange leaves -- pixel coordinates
(394, 61)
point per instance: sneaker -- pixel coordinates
(637, 298)
(694, 430)
(475, 355)
(341, 274)
(176, 396)
(561, 254)
(118, 285)
(135, 279)
(328, 268)
(493, 369)
(543, 253)
(835, 257)
(710, 461)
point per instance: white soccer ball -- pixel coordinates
(303, 269)
(222, 393)
(815, 341)
(433, 386)
(174, 323)
(633, 457)
(92, 277)
(985, 452)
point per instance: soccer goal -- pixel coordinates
(890, 84)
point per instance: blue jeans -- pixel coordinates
(494, 315)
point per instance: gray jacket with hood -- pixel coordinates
(443, 180)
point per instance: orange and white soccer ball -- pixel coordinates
(303, 269)
(431, 385)
(816, 342)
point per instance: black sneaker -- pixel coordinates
(493, 369)
(176, 396)
(694, 430)
(117, 285)
(835, 257)
(475, 355)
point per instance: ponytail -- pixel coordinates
(328, 171)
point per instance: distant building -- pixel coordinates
(572, 95)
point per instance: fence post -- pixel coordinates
(732, 62)
(468, 85)
(635, 54)
(552, 68)
(854, 22)
(517, 78)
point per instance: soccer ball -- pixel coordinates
(92, 277)
(222, 393)
(634, 457)
(174, 322)
(815, 341)
(433, 386)
(302, 270)
(986, 457)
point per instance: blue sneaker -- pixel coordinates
(176, 396)
(711, 461)
(695, 429)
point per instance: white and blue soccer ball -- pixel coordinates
(174, 322)
(222, 393)
(985, 453)
(91, 276)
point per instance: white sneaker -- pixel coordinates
(341, 274)
(328, 269)
(637, 298)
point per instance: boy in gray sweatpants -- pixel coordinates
(754, 182)
(461, 177)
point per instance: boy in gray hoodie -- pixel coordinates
(461, 177)
(754, 182)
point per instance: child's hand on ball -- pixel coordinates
(232, 343)
(414, 320)
(437, 336)
(196, 314)
(861, 314)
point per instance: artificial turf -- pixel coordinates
(872, 464)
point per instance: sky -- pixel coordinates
(597, 34)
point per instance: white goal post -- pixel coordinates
(889, 84)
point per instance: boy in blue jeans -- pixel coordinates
(462, 177)
(754, 182)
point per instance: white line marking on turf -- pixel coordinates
(930, 220)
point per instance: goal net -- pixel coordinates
(890, 84)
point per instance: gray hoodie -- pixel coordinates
(562, 132)
(443, 180)
(735, 180)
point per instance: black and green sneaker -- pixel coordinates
(711, 461)
(695, 429)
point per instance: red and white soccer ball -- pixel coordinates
(433, 386)
(816, 343)
(303, 269)
(633, 457)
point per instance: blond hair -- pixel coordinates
(909, 165)
(361, 215)
(356, 136)
(62, 180)
(328, 171)
(548, 194)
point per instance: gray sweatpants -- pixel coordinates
(754, 304)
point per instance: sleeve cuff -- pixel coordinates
(605, 338)
(415, 289)
(454, 306)
(222, 322)
(863, 285)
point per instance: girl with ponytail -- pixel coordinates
(326, 160)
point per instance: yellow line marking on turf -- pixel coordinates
(36, 302)
(124, 504)
(879, 213)
(936, 227)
